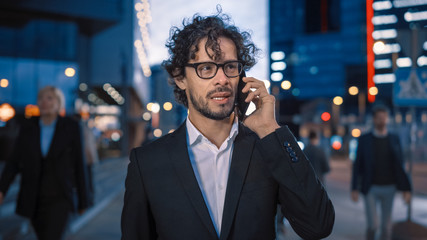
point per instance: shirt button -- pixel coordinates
(286, 144)
(288, 149)
(294, 159)
(293, 154)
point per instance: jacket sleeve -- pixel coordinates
(302, 197)
(357, 168)
(137, 222)
(324, 162)
(11, 168)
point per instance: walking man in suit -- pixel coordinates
(378, 172)
(317, 156)
(216, 177)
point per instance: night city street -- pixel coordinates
(224, 109)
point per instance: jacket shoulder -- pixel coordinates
(156, 145)
(365, 136)
(28, 122)
(69, 121)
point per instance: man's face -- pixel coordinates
(380, 120)
(213, 98)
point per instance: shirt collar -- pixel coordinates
(52, 124)
(195, 136)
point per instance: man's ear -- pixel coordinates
(181, 82)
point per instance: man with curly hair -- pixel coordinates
(216, 177)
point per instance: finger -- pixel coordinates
(257, 102)
(250, 79)
(256, 92)
(252, 95)
(253, 83)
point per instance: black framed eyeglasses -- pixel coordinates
(208, 70)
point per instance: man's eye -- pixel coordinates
(231, 66)
(205, 67)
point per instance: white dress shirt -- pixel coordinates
(46, 135)
(211, 166)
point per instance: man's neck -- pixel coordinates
(215, 131)
(380, 132)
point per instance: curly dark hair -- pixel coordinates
(183, 45)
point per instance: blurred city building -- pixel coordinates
(163, 113)
(316, 51)
(95, 51)
(330, 60)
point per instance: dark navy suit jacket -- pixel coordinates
(363, 167)
(163, 199)
(65, 152)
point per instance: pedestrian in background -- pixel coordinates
(48, 155)
(90, 153)
(378, 172)
(317, 156)
(91, 156)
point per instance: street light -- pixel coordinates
(338, 100)
(146, 116)
(353, 90)
(286, 85)
(373, 91)
(155, 108)
(4, 83)
(6, 112)
(356, 132)
(70, 72)
(167, 106)
(149, 106)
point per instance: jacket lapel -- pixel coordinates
(242, 153)
(35, 146)
(184, 170)
(36, 135)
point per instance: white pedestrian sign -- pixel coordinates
(410, 88)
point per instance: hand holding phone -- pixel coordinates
(262, 121)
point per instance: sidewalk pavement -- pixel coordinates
(105, 225)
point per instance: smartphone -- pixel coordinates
(241, 105)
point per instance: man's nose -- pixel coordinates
(221, 78)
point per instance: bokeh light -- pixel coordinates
(353, 90)
(286, 85)
(355, 132)
(4, 83)
(70, 72)
(325, 116)
(338, 100)
(167, 106)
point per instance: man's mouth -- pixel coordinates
(220, 97)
